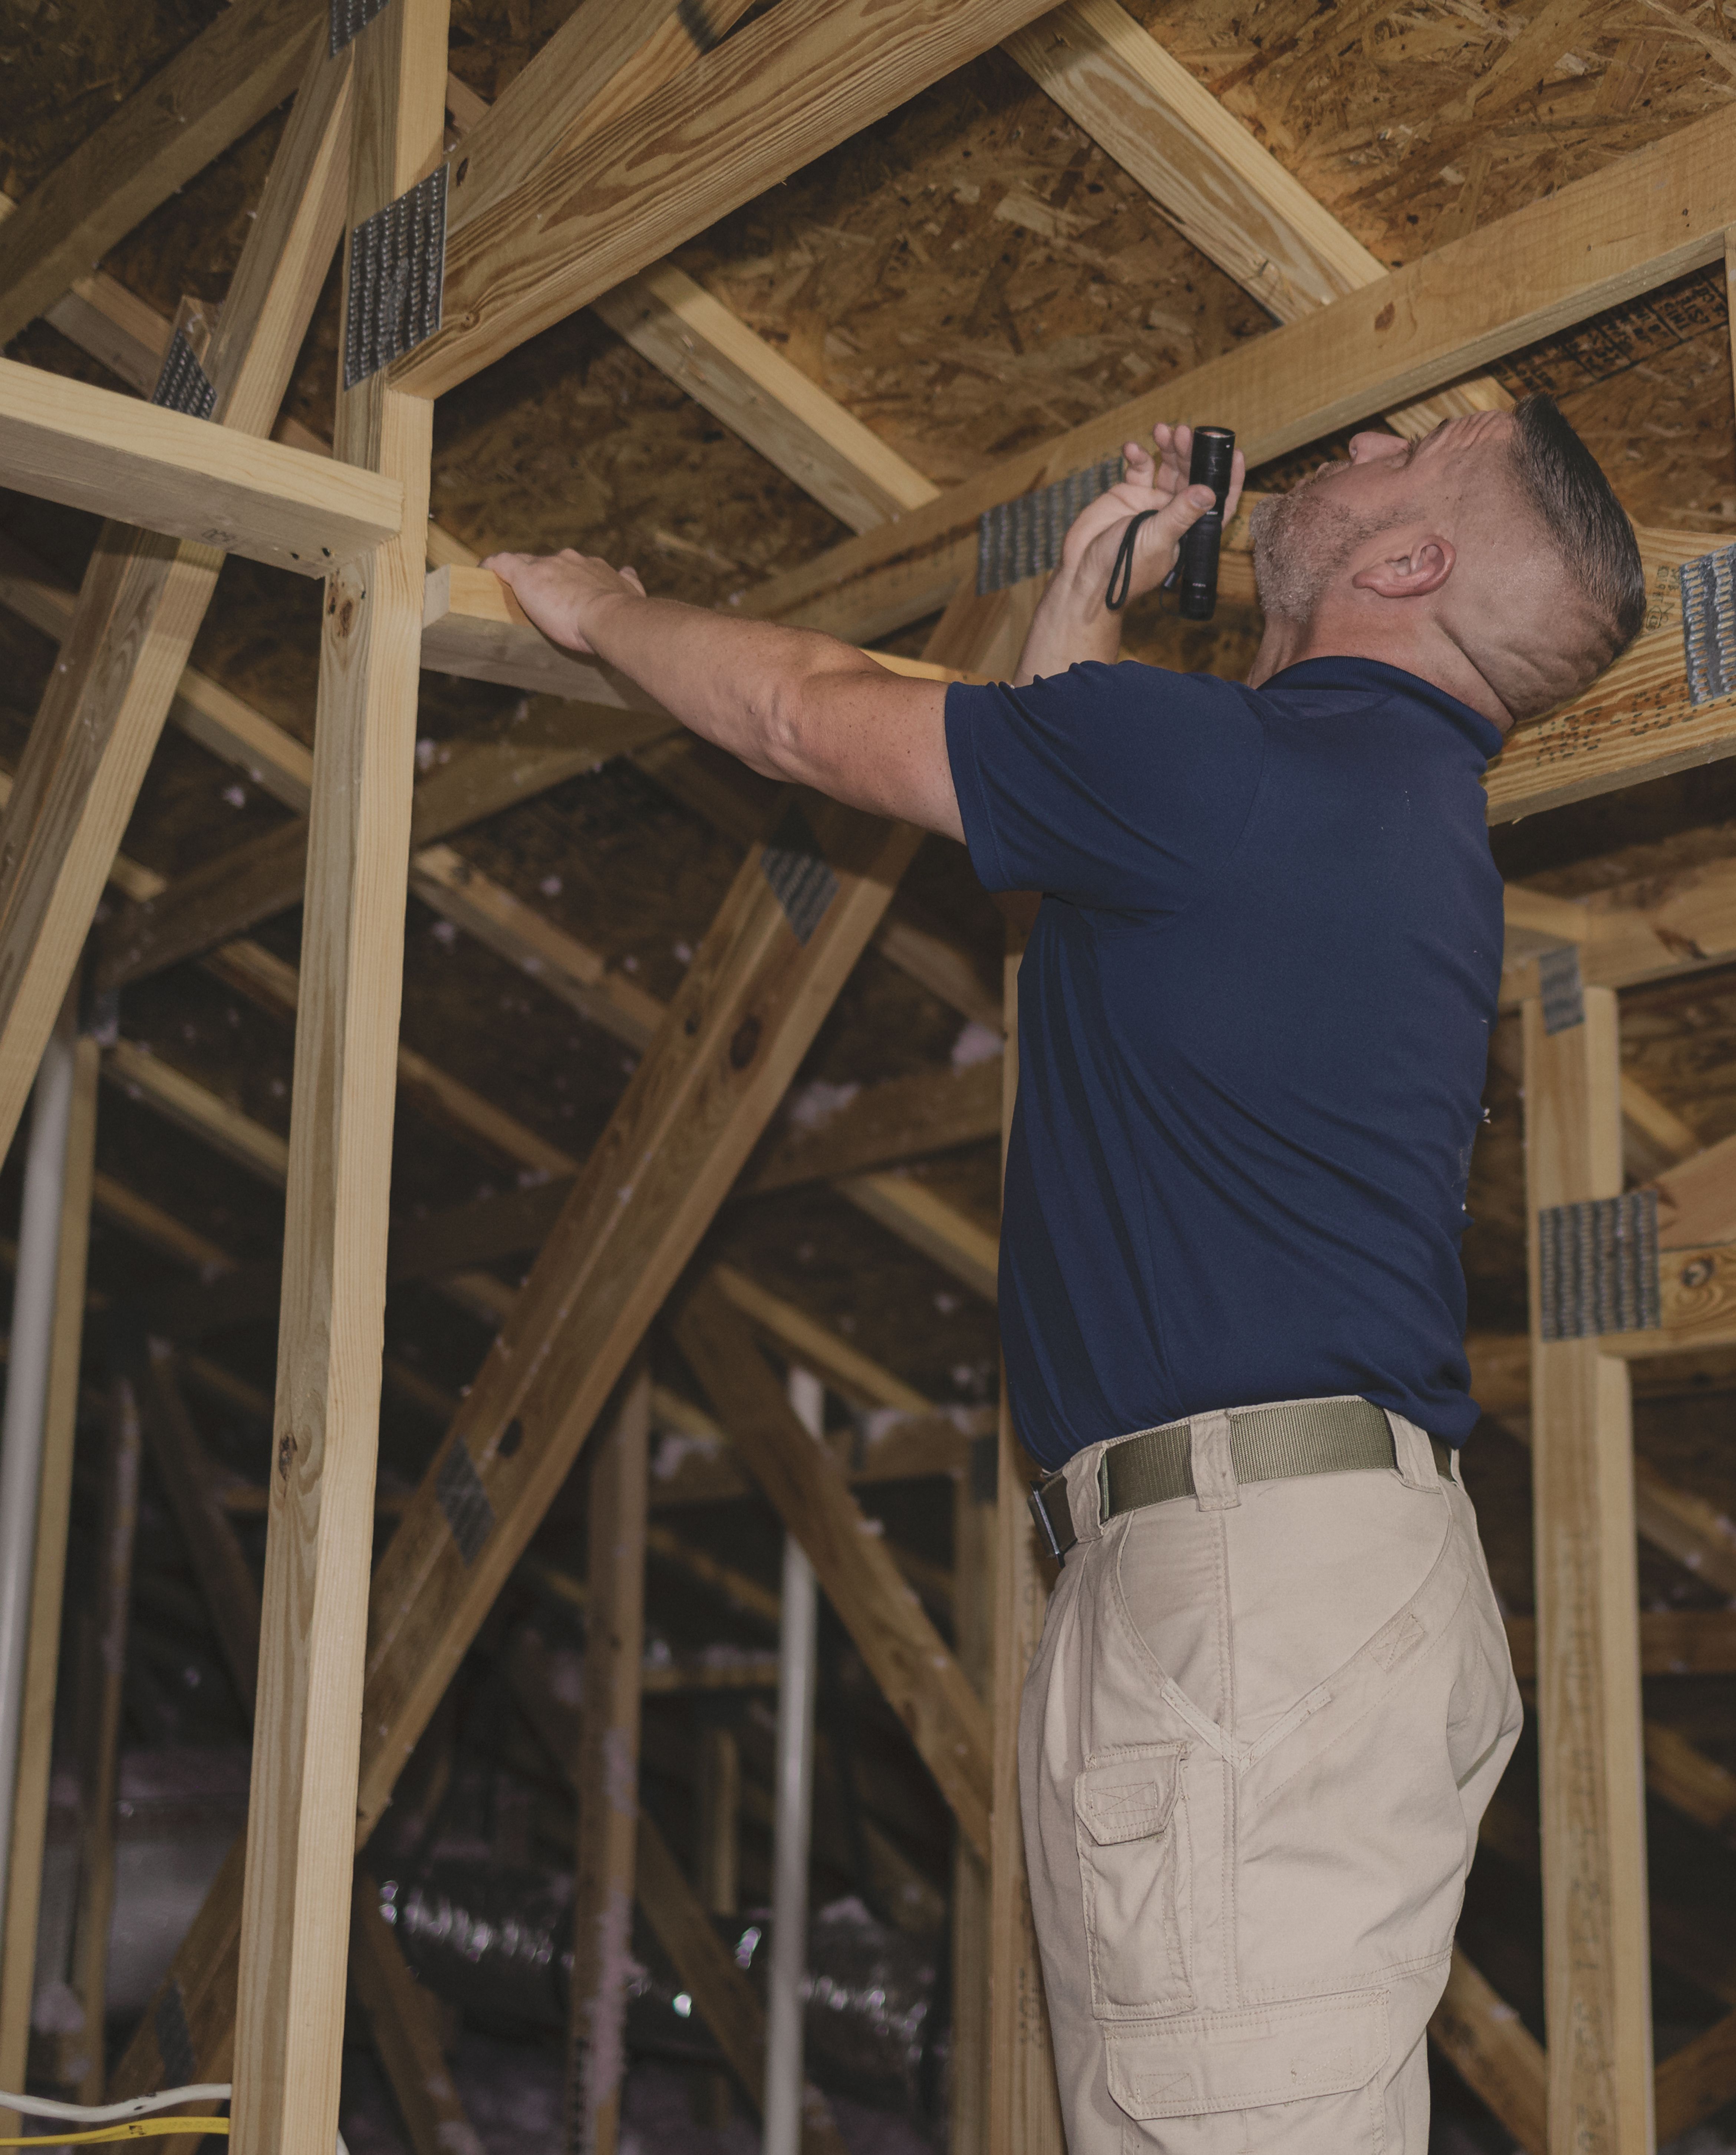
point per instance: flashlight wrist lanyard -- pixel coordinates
(1121, 576)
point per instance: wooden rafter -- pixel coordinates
(600, 63)
(596, 68)
(692, 150)
(718, 361)
(883, 1125)
(1232, 198)
(1653, 928)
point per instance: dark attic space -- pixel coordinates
(516, 1582)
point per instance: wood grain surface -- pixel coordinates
(771, 98)
(1596, 1960)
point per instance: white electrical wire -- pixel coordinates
(115, 2113)
(111, 2113)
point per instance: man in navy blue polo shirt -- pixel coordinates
(1273, 1694)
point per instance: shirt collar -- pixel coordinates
(1353, 672)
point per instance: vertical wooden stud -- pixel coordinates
(1001, 2067)
(1024, 2103)
(98, 1733)
(301, 1818)
(608, 1778)
(53, 1510)
(1596, 1953)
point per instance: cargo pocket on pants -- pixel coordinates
(1310, 2067)
(1124, 1809)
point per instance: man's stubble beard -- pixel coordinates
(1301, 540)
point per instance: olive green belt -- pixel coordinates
(1266, 1444)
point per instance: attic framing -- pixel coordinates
(610, 150)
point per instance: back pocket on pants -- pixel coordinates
(1301, 2076)
(1129, 1822)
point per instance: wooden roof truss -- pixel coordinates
(621, 140)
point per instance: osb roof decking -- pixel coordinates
(969, 276)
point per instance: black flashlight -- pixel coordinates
(1197, 569)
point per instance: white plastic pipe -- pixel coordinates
(792, 1820)
(26, 1387)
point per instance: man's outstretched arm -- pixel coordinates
(791, 703)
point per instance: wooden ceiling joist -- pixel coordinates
(167, 472)
(474, 627)
(759, 394)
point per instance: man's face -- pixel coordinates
(1304, 539)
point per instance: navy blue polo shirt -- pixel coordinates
(1253, 1019)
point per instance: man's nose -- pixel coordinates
(1365, 448)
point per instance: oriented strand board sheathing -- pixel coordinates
(1414, 123)
(972, 275)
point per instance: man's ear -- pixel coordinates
(1424, 568)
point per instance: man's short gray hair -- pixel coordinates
(1578, 510)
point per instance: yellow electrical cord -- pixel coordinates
(133, 2128)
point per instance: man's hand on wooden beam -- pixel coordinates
(559, 591)
(791, 703)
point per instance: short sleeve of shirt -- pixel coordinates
(1123, 787)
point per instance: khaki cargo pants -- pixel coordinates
(1257, 1739)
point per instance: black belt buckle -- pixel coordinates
(1037, 1498)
